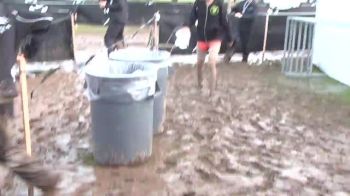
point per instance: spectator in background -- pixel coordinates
(117, 11)
(246, 11)
(212, 27)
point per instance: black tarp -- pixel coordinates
(139, 12)
(57, 43)
(174, 15)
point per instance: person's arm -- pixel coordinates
(115, 6)
(102, 3)
(236, 8)
(194, 15)
(253, 10)
(224, 21)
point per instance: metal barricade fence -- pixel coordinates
(298, 46)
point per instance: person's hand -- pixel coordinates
(102, 3)
(238, 15)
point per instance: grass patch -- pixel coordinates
(343, 93)
(88, 159)
(91, 29)
(320, 84)
(345, 96)
(84, 29)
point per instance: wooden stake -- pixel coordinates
(25, 108)
(73, 18)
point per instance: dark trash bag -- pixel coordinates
(121, 111)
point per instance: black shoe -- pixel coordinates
(8, 89)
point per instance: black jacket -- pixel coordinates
(245, 23)
(212, 20)
(118, 11)
(249, 13)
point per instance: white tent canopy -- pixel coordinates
(284, 4)
(332, 39)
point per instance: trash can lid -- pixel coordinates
(103, 67)
(138, 54)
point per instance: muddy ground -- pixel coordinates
(258, 136)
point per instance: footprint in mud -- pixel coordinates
(207, 174)
(190, 193)
(170, 162)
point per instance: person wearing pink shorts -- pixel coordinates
(212, 28)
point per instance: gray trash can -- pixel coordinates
(160, 60)
(121, 98)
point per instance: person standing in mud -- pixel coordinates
(245, 11)
(117, 11)
(27, 168)
(212, 28)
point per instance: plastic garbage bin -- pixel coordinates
(121, 98)
(160, 60)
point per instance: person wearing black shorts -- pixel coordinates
(117, 11)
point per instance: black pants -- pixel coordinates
(7, 50)
(245, 28)
(114, 34)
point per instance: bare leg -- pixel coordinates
(213, 77)
(200, 66)
(213, 55)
